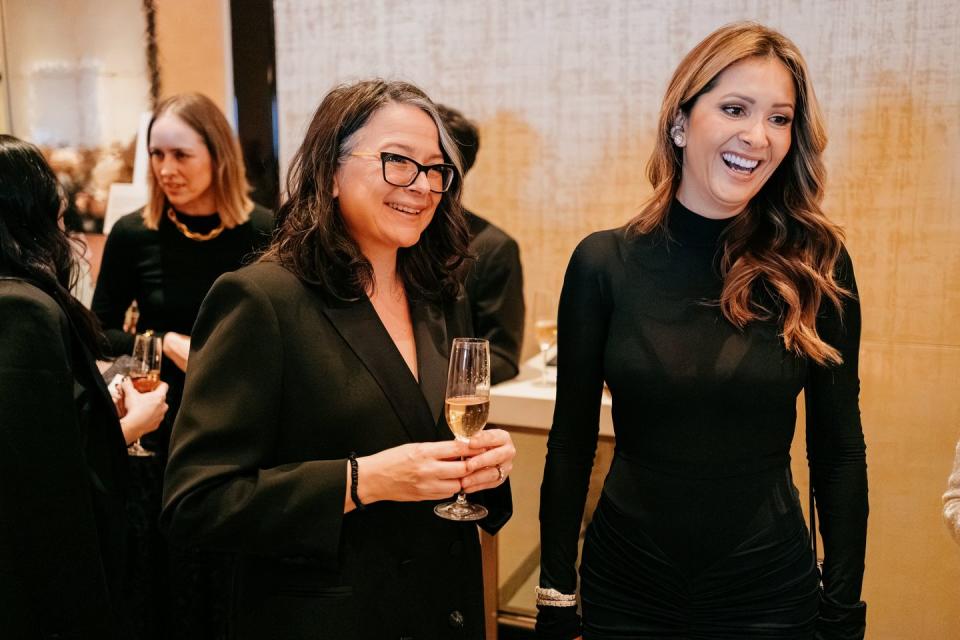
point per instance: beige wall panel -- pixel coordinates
(566, 94)
(192, 43)
(911, 418)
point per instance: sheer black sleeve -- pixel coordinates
(582, 333)
(838, 469)
(116, 289)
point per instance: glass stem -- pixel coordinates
(543, 373)
(462, 495)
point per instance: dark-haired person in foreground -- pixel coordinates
(706, 316)
(62, 448)
(310, 440)
(494, 282)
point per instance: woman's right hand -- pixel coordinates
(413, 472)
(143, 411)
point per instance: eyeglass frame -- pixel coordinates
(421, 168)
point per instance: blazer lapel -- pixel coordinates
(358, 324)
(430, 332)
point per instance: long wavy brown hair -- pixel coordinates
(782, 243)
(312, 240)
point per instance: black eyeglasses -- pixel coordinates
(401, 171)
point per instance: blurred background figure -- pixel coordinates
(198, 223)
(62, 459)
(494, 281)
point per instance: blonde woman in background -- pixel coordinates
(198, 224)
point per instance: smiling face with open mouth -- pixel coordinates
(379, 216)
(736, 135)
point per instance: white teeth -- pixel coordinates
(403, 209)
(740, 162)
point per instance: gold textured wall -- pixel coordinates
(193, 42)
(566, 95)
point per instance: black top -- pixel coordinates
(62, 477)
(168, 275)
(704, 414)
(494, 293)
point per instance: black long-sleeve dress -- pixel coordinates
(168, 275)
(699, 532)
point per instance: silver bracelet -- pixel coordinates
(553, 598)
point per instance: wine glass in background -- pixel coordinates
(545, 327)
(145, 373)
(466, 408)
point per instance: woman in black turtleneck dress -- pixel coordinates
(198, 224)
(706, 316)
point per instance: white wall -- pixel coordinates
(77, 70)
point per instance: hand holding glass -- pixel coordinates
(145, 373)
(466, 408)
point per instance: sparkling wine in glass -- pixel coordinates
(545, 327)
(466, 409)
(145, 374)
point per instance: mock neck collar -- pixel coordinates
(691, 229)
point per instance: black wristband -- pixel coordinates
(355, 479)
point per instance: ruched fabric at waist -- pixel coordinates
(696, 520)
(766, 586)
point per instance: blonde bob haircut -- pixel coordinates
(230, 186)
(782, 243)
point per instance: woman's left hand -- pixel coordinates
(176, 346)
(493, 460)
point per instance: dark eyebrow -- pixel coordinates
(779, 105)
(410, 150)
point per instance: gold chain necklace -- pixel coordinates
(193, 235)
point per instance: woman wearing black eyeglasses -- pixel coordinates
(310, 440)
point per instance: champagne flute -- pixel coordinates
(544, 327)
(466, 408)
(145, 374)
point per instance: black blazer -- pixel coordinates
(284, 382)
(62, 477)
(494, 295)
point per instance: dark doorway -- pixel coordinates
(255, 95)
